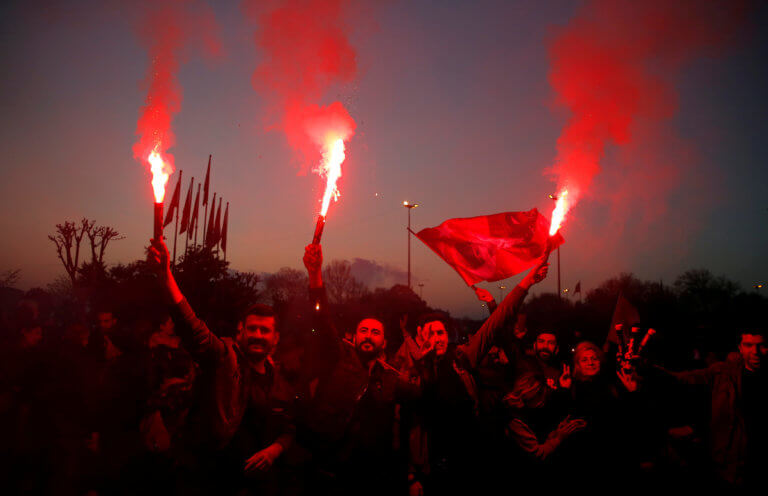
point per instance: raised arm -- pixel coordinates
(485, 296)
(325, 339)
(200, 342)
(486, 336)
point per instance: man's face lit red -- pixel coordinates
(258, 336)
(545, 346)
(369, 337)
(753, 349)
(106, 321)
(588, 364)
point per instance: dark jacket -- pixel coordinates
(728, 436)
(352, 412)
(449, 404)
(229, 381)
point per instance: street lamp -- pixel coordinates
(409, 206)
(559, 293)
(501, 292)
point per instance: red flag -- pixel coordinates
(209, 231)
(174, 202)
(224, 230)
(187, 208)
(207, 182)
(491, 247)
(625, 314)
(194, 222)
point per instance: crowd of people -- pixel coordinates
(187, 410)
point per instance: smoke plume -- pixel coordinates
(305, 50)
(167, 29)
(613, 67)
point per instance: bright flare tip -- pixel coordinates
(161, 171)
(558, 214)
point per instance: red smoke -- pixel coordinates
(166, 28)
(305, 50)
(613, 67)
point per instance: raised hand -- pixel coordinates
(160, 260)
(536, 275)
(313, 261)
(628, 379)
(158, 256)
(483, 295)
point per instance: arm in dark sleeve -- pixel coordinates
(199, 341)
(694, 377)
(526, 439)
(324, 344)
(492, 307)
(486, 336)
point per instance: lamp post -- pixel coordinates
(409, 206)
(501, 292)
(559, 293)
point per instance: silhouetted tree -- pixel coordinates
(286, 285)
(341, 285)
(68, 238)
(9, 278)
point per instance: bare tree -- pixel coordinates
(100, 236)
(341, 285)
(69, 236)
(9, 278)
(67, 239)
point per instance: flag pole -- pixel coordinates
(205, 218)
(175, 235)
(176, 227)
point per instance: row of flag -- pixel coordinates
(214, 235)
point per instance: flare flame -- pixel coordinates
(330, 168)
(161, 171)
(558, 214)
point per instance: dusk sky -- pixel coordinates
(454, 110)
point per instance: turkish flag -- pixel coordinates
(491, 247)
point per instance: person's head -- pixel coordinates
(369, 339)
(545, 346)
(163, 333)
(586, 360)
(106, 320)
(257, 332)
(753, 348)
(433, 326)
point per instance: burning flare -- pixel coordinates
(161, 171)
(330, 168)
(558, 214)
